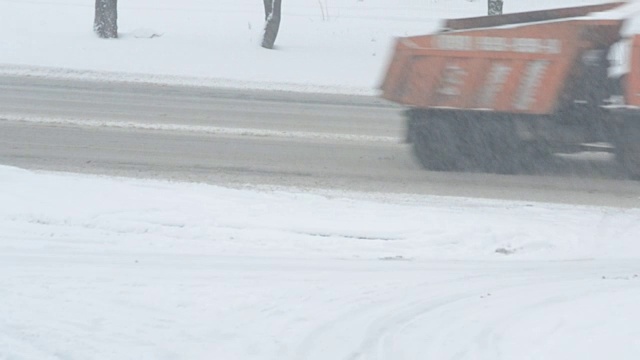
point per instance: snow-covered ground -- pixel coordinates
(45, 211)
(323, 45)
(103, 268)
(110, 268)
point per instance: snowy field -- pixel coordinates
(323, 45)
(102, 268)
(112, 268)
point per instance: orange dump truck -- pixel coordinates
(501, 93)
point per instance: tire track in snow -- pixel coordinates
(484, 327)
(471, 318)
(365, 308)
(574, 292)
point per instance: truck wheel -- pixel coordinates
(493, 146)
(533, 156)
(470, 144)
(628, 146)
(438, 145)
(450, 144)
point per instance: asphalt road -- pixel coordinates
(239, 137)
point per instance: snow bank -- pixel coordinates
(45, 212)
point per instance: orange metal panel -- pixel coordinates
(475, 81)
(504, 95)
(519, 69)
(449, 91)
(632, 92)
(427, 70)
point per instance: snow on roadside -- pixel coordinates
(337, 46)
(100, 268)
(81, 213)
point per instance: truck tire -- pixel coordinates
(437, 145)
(628, 146)
(464, 143)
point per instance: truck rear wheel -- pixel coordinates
(437, 146)
(628, 146)
(469, 143)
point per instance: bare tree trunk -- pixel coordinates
(105, 23)
(272, 18)
(495, 7)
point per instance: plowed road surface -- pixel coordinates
(234, 137)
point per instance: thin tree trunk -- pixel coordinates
(268, 7)
(105, 23)
(495, 7)
(272, 18)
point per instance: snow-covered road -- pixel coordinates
(237, 137)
